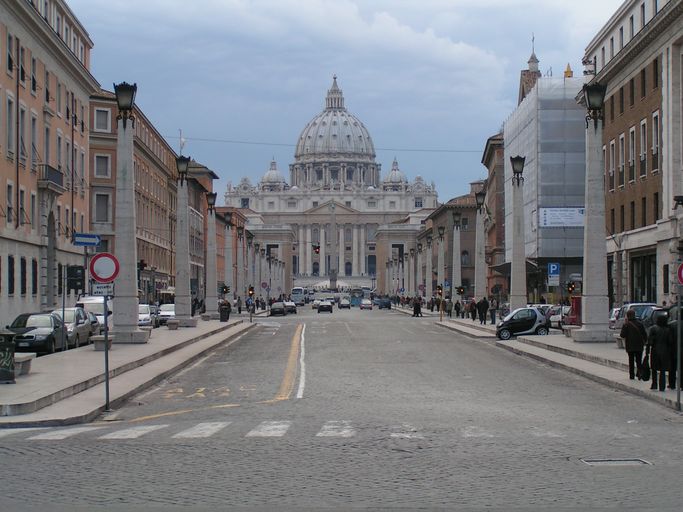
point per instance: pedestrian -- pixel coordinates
(449, 308)
(660, 343)
(634, 336)
(492, 310)
(239, 305)
(418, 301)
(416, 307)
(457, 307)
(473, 309)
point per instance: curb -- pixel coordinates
(572, 353)
(115, 401)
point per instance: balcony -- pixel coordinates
(643, 166)
(655, 161)
(50, 179)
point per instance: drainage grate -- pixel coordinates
(616, 462)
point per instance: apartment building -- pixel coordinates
(638, 56)
(45, 85)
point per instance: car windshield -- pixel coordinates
(95, 307)
(143, 309)
(641, 310)
(23, 321)
(168, 308)
(69, 315)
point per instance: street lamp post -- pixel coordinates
(125, 316)
(257, 267)
(479, 249)
(441, 257)
(262, 261)
(250, 264)
(428, 278)
(228, 259)
(413, 284)
(420, 280)
(518, 297)
(211, 300)
(387, 277)
(183, 305)
(406, 274)
(239, 280)
(456, 277)
(594, 299)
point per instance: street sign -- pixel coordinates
(264, 285)
(421, 287)
(553, 269)
(446, 284)
(680, 273)
(87, 239)
(102, 289)
(104, 267)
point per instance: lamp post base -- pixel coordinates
(593, 334)
(137, 336)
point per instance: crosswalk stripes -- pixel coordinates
(336, 429)
(406, 431)
(133, 432)
(270, 429)
(6, 432)
(64, 433)
(202, 430)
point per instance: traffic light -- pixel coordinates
(461, 290)
(251, 291)
(316, 248)
(571, 286)
(225, 289)
(439, 290)
(142, 265)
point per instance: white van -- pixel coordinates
(95, 304)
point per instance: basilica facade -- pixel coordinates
(327, 215)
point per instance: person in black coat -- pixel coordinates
(661, 344)
(634, 336)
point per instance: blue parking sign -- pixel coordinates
(553, 269)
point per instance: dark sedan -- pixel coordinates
(38, 332)
(384, 303)
(278, 308)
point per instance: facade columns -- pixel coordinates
(363, 244)
(239, 287)
(211, 300)
(183, 305)
(355, 271)
(387, 280)
(125, 316)
(341, 268)
(229, 268)
(323, 262)
(420, 281)
(428, 277)
(309, 251)
(409, 275)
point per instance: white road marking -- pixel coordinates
(407, 432)
(548, 434)
(202, 430)
(63, 433)
(133, 432)
(270, 429)
(474, 431)
(336, 429)
(9, 431)
(302, 365)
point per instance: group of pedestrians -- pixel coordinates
(660, 351)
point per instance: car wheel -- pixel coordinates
(51, 348)
(542, 331)
(504, 334)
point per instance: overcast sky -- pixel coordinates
(430, 79)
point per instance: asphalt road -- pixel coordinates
(357, 409)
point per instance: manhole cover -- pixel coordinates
(616, 462)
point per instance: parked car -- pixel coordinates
(166, 313)
(77, 325)
(639, 307)
(95, 327)
(38, 332)
(529, 320)
(556, 315)
(649, 316)
(95, 303)
(290, 307)
(614, 312)
(344, 303)
(325, 305)
(278, 308)
(384, 303)
(366, 304)
(145, 318)
(315, 304)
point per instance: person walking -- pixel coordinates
(457, 307)
(239, 305)
(660, 343)
(634, 336)
(449, 308)
(492, 310)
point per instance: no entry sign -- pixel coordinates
(680, 273)
(104, 267)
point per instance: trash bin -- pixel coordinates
(224, 312)
(6, 357)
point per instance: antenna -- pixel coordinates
(533, 43)
(182, 141)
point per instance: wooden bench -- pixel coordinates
(22, 362)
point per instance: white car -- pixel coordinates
(290, 306)
(558, 316)
(145, 316)
(366, 304)
(166, 313)
(315, 304)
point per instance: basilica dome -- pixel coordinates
(335, 131)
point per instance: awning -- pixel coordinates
(504, 268)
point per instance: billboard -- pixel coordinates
(561, 217)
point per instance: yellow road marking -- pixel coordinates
(287, 385)
(181, 411)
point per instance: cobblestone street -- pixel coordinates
(394, 412)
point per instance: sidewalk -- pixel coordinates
(601, 362)
(68, 387)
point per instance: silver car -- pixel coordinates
(77, 325)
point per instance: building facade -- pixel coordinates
(638, 56)
(335, 199)
(45, 85)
